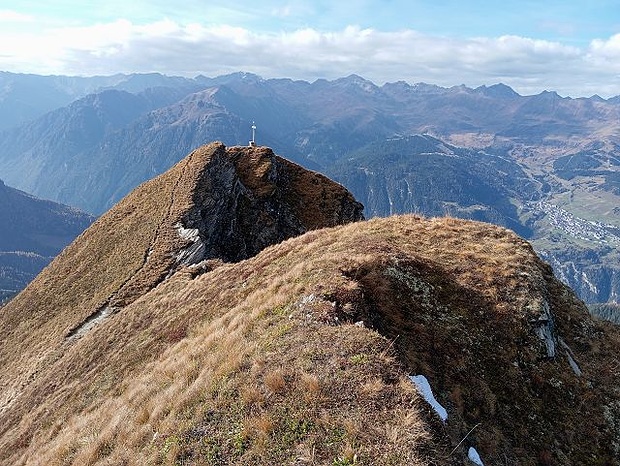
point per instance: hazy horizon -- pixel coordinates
(561, 46)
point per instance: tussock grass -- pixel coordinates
(107, 264)
(261, 362)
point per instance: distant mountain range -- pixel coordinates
(24, 97)
(32, 232)
(546, 166)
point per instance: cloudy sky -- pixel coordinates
(570, 46)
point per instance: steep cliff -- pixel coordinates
(594, 277)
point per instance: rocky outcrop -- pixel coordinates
(247, 198)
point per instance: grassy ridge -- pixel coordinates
(300, 354)
(261, 362)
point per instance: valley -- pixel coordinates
(32, 232)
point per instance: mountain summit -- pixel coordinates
(232, 311)
(218, 203)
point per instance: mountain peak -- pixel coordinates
(240, 76)
(500, 90)
(357, 81)
(218, 203)
(264, 197)
(550, 95)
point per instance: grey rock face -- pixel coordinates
(247, 198)
(592, 281)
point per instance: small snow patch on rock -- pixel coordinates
(474, 457)
(425, 390)
(195, 251)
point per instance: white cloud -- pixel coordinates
(606, 49)
(528, 65)
(10, 16)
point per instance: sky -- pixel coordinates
(569, 46)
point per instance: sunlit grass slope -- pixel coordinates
(300, 354)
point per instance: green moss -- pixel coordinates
(344, 461)
(361, 358)
(171, 441)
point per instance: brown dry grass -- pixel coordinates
(107, 263)
(259, 342)
(271, 370)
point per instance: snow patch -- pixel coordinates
(573, 365)
(91, 321)
(409, 193)
(425, 390)
(195, 251)
(591, 286)
(571, 360)
(389, 196)
(189, 234)
(474, 457)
